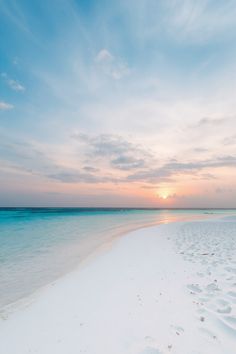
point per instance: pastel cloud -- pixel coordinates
(13, 84)
(111, 66)
(4, 106)
(104, 155)
(104, 56)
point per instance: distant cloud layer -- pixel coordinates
(104, 155)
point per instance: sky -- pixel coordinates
(118, 103)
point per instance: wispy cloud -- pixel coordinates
(111, 66)
(125, 155)
(28, 157)
(4, 106)
(199, 21)
(73, 176)
(203, 122)
(120, 153)
(104, 56)
(126, 162)
(230, 140)
(13, 84)
(172, 170)
(14, 12)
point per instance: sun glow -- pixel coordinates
(163, 194)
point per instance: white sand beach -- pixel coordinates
(164, 289)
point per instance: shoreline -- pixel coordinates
(142, 293)
(90, 254)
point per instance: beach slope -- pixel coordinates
(164, 289)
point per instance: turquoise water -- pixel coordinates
(39, 245)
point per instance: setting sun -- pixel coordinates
(163, 194)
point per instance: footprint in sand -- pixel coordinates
(212, 287)
(222, 302)
(231, 270)
(201, 311)
(231, 320)
(220, 306)
(208, 333)
(232, 294)
(229, 324)
(201, 275)
(178, 329)
(203, 299)
(195, 288)
(224, 310)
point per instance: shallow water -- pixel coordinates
(38, 245)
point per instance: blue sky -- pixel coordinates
(117, 103)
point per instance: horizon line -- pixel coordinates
(115, 208)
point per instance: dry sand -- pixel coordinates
(164, 289)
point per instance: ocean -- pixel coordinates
(38, 245)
